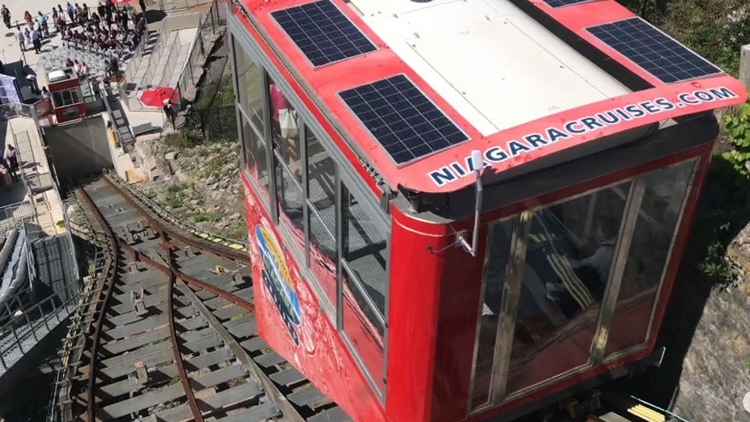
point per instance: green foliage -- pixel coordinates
(715, 29)
(184, 139)
(732, 164)
(716, 266)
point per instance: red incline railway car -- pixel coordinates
(463, 210)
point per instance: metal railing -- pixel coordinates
(211, 24)
(38, 316)
(97, 269)
(14, 214)
(180, 5)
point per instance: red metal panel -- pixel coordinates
(72, 112)
(460, 290)
(318, 351)
(63, 85)
(413, 313)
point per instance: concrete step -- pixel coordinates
(146, 68)
(182, 59)
(141, 63)
(165, 62)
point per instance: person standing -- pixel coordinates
(100, 10)
(10, 158)
(21, 40)
(169, 111)
(6, 16)
(36, 40)
(124, 20)
(109, 10)
(71, 14)
(6, 178)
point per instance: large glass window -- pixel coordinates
(67, 97)
(580, 286)
(250, 81)
(661, 209)
(344, 248)
(563, 284)
(495, 271)
(255, 158)
(364, 264)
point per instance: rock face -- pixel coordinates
(201, 184)
(716, 370)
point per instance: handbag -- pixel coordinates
(288, 122)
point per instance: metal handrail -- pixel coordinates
(11, 325)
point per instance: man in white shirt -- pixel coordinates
(21, 39)
(36, 40)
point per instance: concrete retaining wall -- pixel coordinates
(79, 148)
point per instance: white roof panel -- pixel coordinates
(490, 61)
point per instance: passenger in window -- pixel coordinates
(592, 272)
(285, 128)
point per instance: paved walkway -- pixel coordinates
(41, 193)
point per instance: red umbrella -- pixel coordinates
(156, 97)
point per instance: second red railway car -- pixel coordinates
(464, 210)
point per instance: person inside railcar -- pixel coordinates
(589, 275)
(286, 129)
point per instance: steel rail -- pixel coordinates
(189, 394)
(100, 305)
(114, 240)
(188, 239)
(140, 256)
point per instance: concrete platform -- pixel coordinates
(38, 189)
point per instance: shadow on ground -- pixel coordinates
(153, 16)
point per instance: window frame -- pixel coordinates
(345, 173)
(73, 92)
(514, 276)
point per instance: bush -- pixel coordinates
(732, 165)
(715, 29)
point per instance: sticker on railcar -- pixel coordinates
(534, 141)
(278, 280)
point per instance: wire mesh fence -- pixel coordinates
(212, 24)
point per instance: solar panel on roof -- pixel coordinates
(322, 32)
(653, 50)
(561, 3)
(402, 119)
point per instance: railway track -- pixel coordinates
(169, 330)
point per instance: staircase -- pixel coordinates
(163, 60)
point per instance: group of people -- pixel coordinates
(9, 167)
(107, 35)
(105, 29)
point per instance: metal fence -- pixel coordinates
(27, 327)
(211, 25)
(213, 123)
(179, 5)
(11, 110)
(14, 215)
